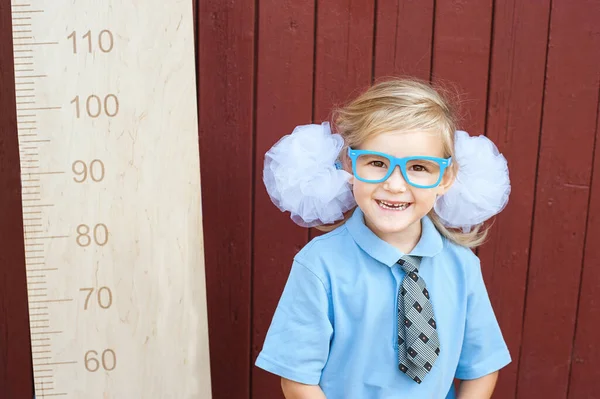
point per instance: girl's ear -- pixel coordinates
(447, 181)
(347, 165)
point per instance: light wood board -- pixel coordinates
(106, 105)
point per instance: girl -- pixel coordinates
(391, 303)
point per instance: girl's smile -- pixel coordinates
(393, 205)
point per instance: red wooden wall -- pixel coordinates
(529, 76)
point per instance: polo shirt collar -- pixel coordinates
(430, 243)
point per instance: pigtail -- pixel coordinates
(472, 239)
(326, 228)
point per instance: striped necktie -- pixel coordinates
(418, 341)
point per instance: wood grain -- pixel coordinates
(461, 53)
(225, 62)
(404, 38)
(283, 100)
(513, 122)
(584, 376)
(562, 197)
(16, 376)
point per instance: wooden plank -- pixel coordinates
(585, 375)
(226, 90)
(344, 53)
(562, 194)
(404, 38)
(461, 51)
(283, 100)
(344, 57)
(16, 378)
(513, 123)
(142, 211)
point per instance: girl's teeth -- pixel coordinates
(396, 207)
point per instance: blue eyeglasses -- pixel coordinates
(377, 167)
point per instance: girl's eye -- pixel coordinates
(378, 164)
(419, 168)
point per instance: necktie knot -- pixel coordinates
(410, 264)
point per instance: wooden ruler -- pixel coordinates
(106, 110)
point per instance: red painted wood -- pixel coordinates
(225, 93)
(461, 51)
(344, 53)
(404, 38)
(562, 193)
(344, 56)
(513, 123)
(585, 375)
(16, 378)
(284, 100)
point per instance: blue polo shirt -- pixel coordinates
(336, 322)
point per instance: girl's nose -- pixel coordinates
(396, 182)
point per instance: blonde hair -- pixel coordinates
(403, 104)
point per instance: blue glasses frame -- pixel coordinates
(400, 162)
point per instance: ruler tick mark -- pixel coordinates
(40, 108)
(42, 371)
(26, 12)
(46, 237)
(31, 76)
(35, 44)
(53, 300)
(46, 173)
(44, 270)
(58, 363)
(46, 332)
